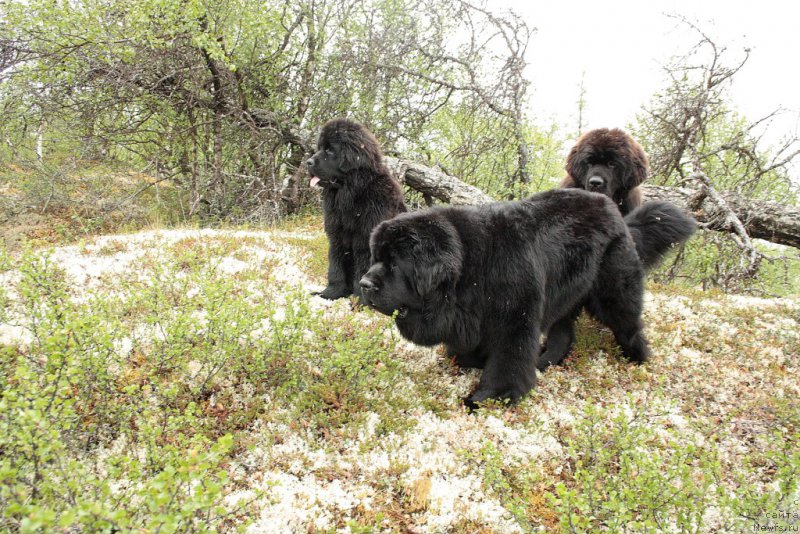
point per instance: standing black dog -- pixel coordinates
(488, 281)
(358, 193)
(610, 162)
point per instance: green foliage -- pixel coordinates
(628, 476)
(694, 138)
(734, 160)
(66, 393)
(479, 148)
(346, 374)
(5, 266)
(121, 410)
(711, 260)
(779, 454)
(742, 167)
(134, 85)
(201, 96)
(628, 468)
(636, 472)
(730, 155)
(140, 399)
(514, 487)
(76, 198)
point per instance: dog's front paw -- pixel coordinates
(483, 395)
(332, 292)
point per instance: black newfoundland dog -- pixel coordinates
(489, 281)
(358, 193)
(608, 162)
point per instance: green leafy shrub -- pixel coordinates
(66, 395)
(711, 260)
(627, 476)
(121, 410)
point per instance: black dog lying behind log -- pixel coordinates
(610, 162)
(488, 281)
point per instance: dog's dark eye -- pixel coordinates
(329, 152)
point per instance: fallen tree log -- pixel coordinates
(771, 221)
(435, 183)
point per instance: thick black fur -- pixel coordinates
(610, 162)
(656, 227)
(489, 281)
(358, 193)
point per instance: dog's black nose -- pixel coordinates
(310, 162)
(596, 182)
(367, 284)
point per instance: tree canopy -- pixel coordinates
(203, 94)
(221, 102)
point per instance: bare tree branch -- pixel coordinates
(731, 220)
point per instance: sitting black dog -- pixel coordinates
(358, 193)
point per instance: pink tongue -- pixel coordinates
(314, 181)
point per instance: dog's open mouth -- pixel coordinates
(316, 181)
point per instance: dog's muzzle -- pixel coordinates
(595, 183)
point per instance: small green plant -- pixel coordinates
(67, 394)
(333, 373)
(778, 454)
(123, 410)
(512, 484)
(631, 475)
(5, 266)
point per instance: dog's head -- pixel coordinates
(343, 146)
(607, 161)
(414, 256)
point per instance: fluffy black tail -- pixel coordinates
(656, 227)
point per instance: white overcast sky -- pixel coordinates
(622, 45)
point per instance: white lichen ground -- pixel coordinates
(709, 368)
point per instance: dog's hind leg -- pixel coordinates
(617, 300)
(559, 341)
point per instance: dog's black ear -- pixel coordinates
(357, 146)
(438, 258)
(575, 167)
(639, 166)
(351, 157)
